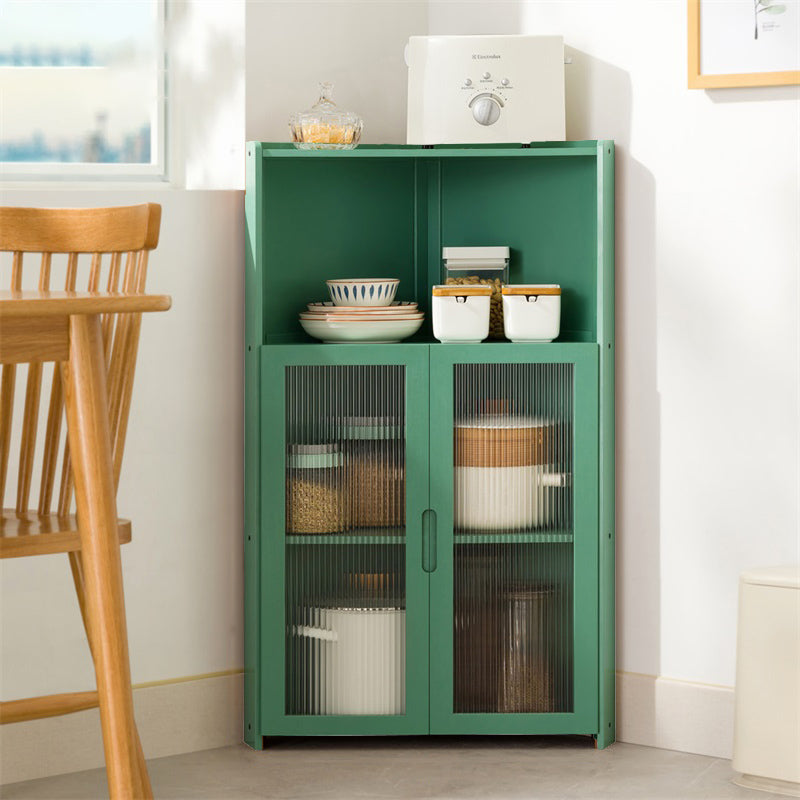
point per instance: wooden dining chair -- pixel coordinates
(90, 333)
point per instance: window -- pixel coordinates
(82, 88)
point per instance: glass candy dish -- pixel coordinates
(324, 126)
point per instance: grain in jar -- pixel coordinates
(484, 266)
(374, 479)
(314, 494)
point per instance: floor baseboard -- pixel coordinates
(675, 715)
(173, 717)
(187, 715)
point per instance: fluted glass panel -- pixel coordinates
(513, 567)
(345, 540)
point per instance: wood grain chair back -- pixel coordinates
(67, 250)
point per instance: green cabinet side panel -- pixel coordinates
(607, 479)
(252, 448)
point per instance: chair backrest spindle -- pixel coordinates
(123, 233)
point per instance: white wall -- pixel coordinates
(707, 319)
(294, 46)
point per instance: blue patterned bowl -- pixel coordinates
(363, 291)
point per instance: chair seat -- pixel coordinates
(34, 535)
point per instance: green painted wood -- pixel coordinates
(545, 210)
(605, 270)
(365, 151)
(274, 361)
(326, 219)
(344, 539)
(346, 215)
(252, 448)
(585, 579)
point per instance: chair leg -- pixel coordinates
(88, 429)
(143, 788)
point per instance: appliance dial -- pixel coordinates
(468, 82)
(486, 109)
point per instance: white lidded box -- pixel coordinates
(532, 312)
(461, 313)
(487, 266)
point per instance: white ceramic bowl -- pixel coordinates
(363, 291)
(334, 330)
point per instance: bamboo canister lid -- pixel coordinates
(461, 290)
(503, 447)
(532, 289)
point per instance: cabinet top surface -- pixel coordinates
(534, 149)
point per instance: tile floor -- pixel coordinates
(491, 768)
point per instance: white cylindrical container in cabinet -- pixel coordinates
(504, 478)
(356, 660)
(461, 313)
(532, 312)
(766, 739)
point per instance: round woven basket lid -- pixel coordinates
(502, 421)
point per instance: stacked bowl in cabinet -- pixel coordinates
(362, 310)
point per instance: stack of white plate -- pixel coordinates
(333, 323)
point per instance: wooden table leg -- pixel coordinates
(86, 405)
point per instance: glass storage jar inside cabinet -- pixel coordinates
(375, 473)
(315, 500)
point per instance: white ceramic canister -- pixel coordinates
(504, 479)
(532, 312)
(358, 660)
(461, 313)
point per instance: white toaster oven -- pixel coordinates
(484, 89)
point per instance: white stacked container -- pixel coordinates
(483, 266)
(504, 478)
(461, 313)
(532, 312)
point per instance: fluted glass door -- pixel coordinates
(353, 596)
(512, 595)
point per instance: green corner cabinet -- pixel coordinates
(409, 567)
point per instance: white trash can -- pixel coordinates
(766, 742)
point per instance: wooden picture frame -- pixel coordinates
(698, 80)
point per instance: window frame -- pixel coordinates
(156, 170)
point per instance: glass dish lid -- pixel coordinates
(325, 126)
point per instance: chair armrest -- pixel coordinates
(40, 304)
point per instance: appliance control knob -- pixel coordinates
(468, 82)
(505, 81)
(486, 110)
(487, 75)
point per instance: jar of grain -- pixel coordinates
(314, 495)
(375, 472)
(487, 266)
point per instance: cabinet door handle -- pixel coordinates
(429, 540)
